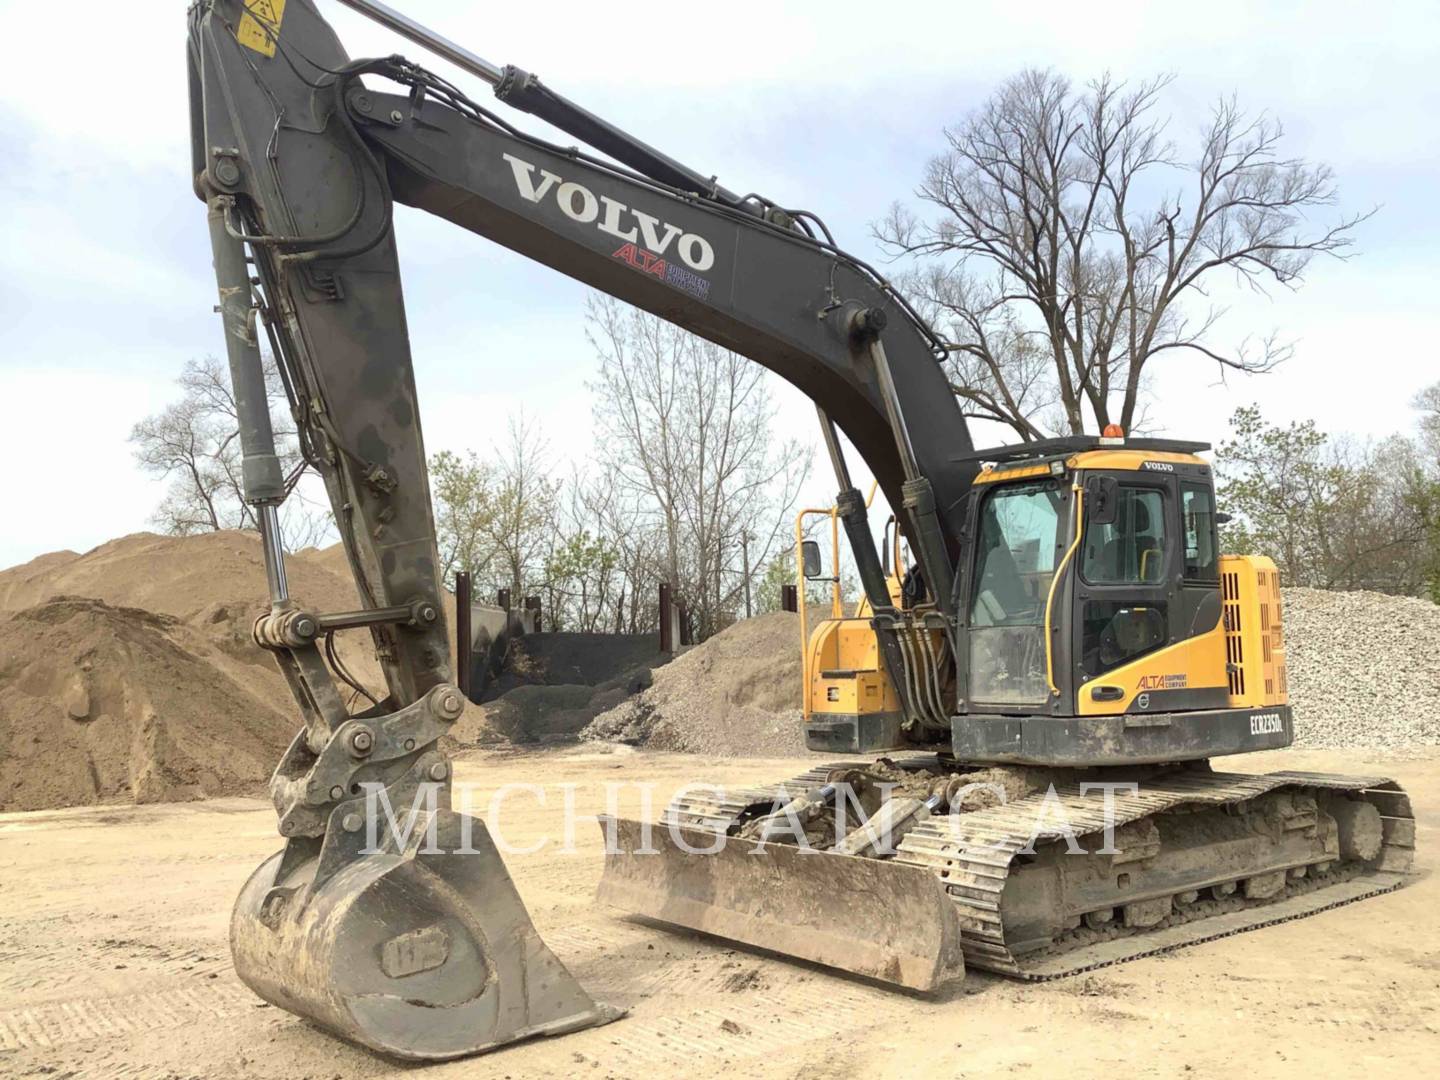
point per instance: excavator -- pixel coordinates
(1017, 737)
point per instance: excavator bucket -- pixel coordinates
(422, 951)
(865, 916)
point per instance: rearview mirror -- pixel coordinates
(1222, 518)
(1102, 500)
(810, 559)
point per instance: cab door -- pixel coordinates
(1128, 575)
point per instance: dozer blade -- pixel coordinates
(872, 918)
(420, 952)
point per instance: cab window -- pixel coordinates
(1131, 549)
(1197, 505)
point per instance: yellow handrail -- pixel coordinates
(837, 597)
(800, 605)
(1054, 581)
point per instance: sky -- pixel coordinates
(105, 280)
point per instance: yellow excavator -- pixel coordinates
(1097, 651)
(844, 678)
(1017, 750)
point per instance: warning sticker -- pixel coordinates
(260, 25)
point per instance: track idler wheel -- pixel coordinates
(421, 952)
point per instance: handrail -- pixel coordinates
(1054, 581)
(837, 596)
(800, 604)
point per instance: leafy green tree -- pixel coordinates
(781, 570)
(526, 502)
(464, 496)
(582, 581)
(1332, 513)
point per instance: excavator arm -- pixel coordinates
(299, 154)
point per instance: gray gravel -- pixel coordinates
(736, 695)
(1364, 669)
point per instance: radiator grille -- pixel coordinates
(1234, 638)
(1254, 631)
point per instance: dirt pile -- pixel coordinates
(128, 672)
(1364, 669)
(99, 702)
(188, 577)
(736, 695)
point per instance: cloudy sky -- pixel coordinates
(105, 280)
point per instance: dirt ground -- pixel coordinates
(113, 963)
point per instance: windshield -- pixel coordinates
(1021, 540)
(1019, 546)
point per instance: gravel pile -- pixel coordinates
(737, 695)
(573, 659)
(1364, 669)
(541, 713)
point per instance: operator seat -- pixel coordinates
(1132, 555)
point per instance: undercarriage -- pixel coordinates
(910, 870)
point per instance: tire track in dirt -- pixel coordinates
(81, 1019)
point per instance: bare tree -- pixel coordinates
(1428, 404)
(195, 444)
(1067, 242)
(685, 432)
(626, 520)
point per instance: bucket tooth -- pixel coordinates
(419, 952)
(879, 919)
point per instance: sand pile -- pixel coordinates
(736, 695)
(100, 702)
(1364, 669)
(143, 682)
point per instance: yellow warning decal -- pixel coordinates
(260, 25)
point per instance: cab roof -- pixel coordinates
(1075, 444)
(1080, 452)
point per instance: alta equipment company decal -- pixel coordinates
(1163, 682)
(649, 245)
